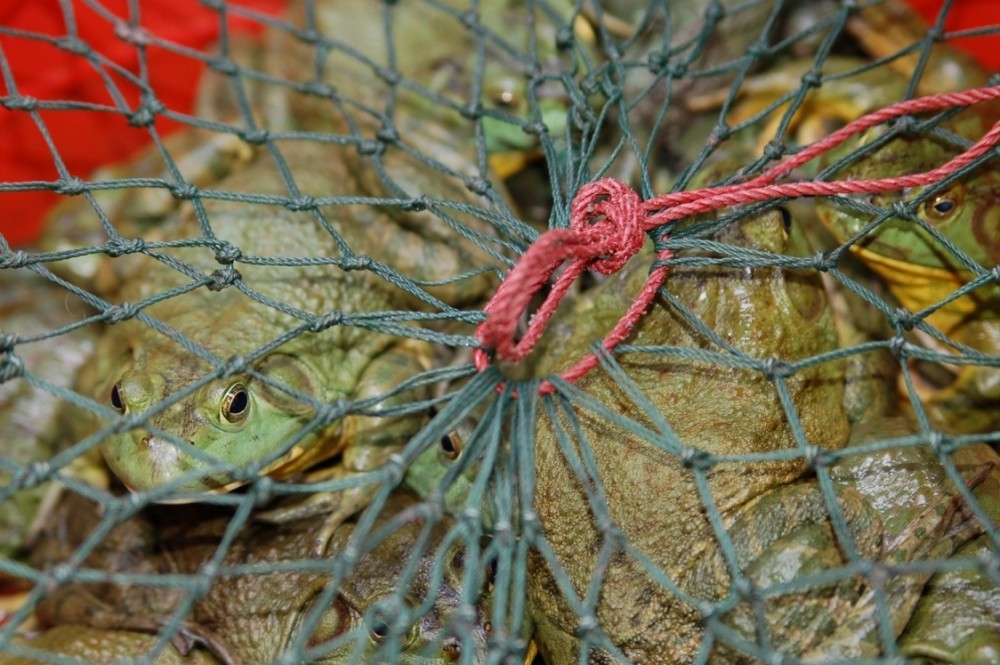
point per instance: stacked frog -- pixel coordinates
(259, 328)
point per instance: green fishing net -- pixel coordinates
(243, 421)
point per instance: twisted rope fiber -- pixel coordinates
(608, 223)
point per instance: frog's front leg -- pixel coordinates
(368, 441)
(788, 535)
(934, 535)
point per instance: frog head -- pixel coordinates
(909, 251)
(242, 420)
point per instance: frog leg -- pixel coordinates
(202, 158)
(786, 535)
(370, 441)
(934, 535)
(969, 600)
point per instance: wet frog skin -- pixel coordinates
(240, 419)
(253, 613)
(774, 515)
(650, 494)
(957, 620)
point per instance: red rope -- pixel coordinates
(608, 223)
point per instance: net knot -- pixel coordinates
(15, 259)
(120, 246)
(119, 313)
(19, 103)
(11, 367)
(223, 278)
(71, 186)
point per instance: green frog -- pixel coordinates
(419, 67)
(399, 600)
(654, 478)
(82, 223)
(32, 416)
(912, 253)
(298, 335)
(103, 647)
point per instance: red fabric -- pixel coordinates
(963, 15)
(87, 139)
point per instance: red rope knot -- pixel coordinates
(610, 215)
(607, 228)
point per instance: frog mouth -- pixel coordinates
(918, 287)
(166, 460)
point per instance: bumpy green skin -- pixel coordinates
(101, 647)
(435, 56)
(253, 617)
(33, 420)
(343, 362)
(202, 158)
(650, 494)
(777, 521)
(958, 617)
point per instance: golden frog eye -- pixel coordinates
(451, 446)
(943, 206)
(116, 398)
(236, 403)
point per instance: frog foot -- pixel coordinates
(337, 506)
(189, 637)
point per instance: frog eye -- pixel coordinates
(944, 205)
(378, 631)
(451, 446)
(116, 398)
(236, 403)
(507, 99)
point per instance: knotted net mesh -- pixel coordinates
(241, 418)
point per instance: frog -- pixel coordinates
(968, 596)
(889, 29)
(260, 417)
(100, 647)
(271, 596)
(197, 157)
(427, 79)
(657, 56)
(47, 340)
(680, 411)
(907, 251)
(849, 87)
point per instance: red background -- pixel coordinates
(85, 140)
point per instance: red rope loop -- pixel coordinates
(608, 224)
